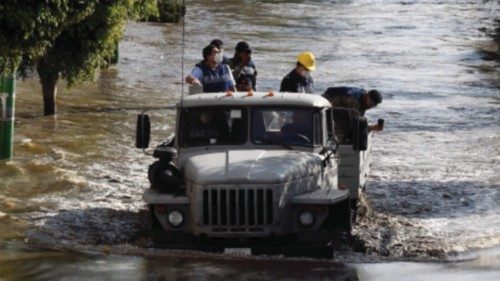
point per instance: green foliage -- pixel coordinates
(157, 10)
(29, 27)
(70, 38)
(144, 10)
(170, 10)
(83, 47)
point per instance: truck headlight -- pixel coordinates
(306, 218)
(175, 218)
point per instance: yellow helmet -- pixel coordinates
(307, 60)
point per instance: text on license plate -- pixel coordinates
(238, 251)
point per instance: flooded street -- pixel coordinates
(70, 200)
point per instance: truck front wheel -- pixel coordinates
(341, 218)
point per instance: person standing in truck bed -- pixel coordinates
(242, 65)
(351, 98)
(299, 80)
(211, 73)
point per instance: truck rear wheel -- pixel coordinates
(354, 211)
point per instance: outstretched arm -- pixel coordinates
(195, 77)
(192, 80)
(375, 127)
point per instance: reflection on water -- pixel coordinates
(76, 180)
(26, 265)
(90, 266)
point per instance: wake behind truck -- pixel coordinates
(254, 173)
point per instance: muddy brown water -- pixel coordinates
(70, 205)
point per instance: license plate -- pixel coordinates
(238, 251)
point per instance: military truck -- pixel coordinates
(354, 151)
(252, 172)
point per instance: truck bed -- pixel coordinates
(354, 167)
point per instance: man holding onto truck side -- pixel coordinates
(299, 80)
(351, 98)
(211, 73)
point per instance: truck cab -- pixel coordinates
(246, 168)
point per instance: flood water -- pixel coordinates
(70, 201)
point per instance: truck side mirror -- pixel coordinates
(360, 136)
(329, 149)
(143, 131)
(332, 145)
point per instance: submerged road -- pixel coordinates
(70, 205)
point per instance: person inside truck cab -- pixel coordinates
(299, 80)
(211, 73)
(300, 127)
(351, 98)
(207, 127)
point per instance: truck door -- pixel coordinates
(324, 124)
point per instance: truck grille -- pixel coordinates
(238, 209)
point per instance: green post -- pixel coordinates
(116, 55)
(7, 102)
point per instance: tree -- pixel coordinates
(69, 39)
(82, 48)
(158, 10)
(28, 28)
(170, 10)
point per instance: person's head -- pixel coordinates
(206, 116)
(244, 83)
(301, 116)
(243, 51)
(219, 44)
(211, 55)
(371, 99)
(306, 63)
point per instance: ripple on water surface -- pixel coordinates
(76, 181)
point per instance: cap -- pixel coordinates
(242, 47)
(307, 60)
(217, 43)
(375, 96)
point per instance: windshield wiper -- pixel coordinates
(268, 141)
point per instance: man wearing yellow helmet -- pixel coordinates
(299, 80)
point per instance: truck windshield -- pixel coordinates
(213, 126)
(285, 126)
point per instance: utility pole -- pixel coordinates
(7, 103)
(116, 55)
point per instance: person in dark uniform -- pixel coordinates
(244, 83)
(351, 98)
(242, 65)
(299, 80)
(300, 129)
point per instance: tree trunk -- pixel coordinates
(48, 78)
(49, 91)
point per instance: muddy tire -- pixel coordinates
(155, 229)
(354, 211)
(153, 221)
(341, 215)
